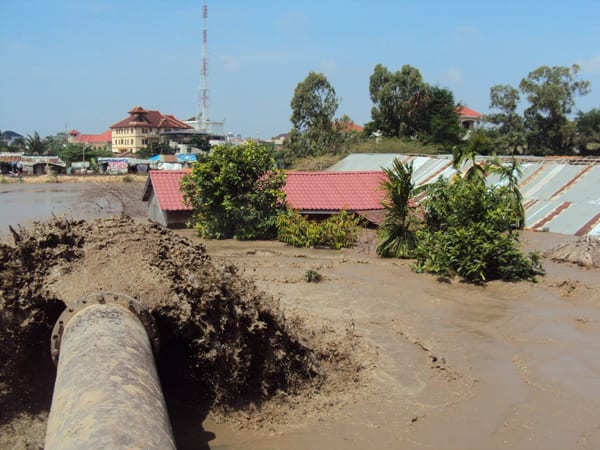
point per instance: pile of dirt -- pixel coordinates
(223, 343)
(584, 252)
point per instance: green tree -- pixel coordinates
(314, 105)
(396, 234)
(236, 192)
(406, 106)
(468, 233)
(438, 120)
(478, 143)
(397, 98)
(508, 125)
(588, 131)
(551, 93)
(201, 142)
(511, 173)
(35, 145)
(55, 143)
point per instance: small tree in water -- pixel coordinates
(236, 192)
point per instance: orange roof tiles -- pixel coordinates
(150, 118)
(94, 138)
(165, 184)
(332, 191)
(467, 112)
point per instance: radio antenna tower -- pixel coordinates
(202, 123)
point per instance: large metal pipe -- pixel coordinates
(107, 394)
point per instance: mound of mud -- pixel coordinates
(223, 342)
(584, 252)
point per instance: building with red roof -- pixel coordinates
(468, 117)
(103, 140)
(142, 128)
(327, 193)
(166, 204)
(310, 193)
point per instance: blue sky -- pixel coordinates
(84, 63)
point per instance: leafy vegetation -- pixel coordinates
(396, 234)
(406, 106)
(235, 192)
(313, 109)
(545, 127)
(338, 231)
(468, 232)
(312, 276)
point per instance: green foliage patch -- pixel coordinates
(338, 231)
(236, 192)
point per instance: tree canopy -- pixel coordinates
(314, 105)
(551, 93)
(404, 105)
(236, 192)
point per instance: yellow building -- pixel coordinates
(142, 128)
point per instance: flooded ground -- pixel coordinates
(23, 203)
(444, 365)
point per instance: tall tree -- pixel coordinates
(314, 105)
(397, 98)
(551, 93)
(406, 106)
(588, 131)
(509, 128)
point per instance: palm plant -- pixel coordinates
(397, 237)
(477, 144)
(512, 173)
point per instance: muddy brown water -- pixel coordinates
(444, 365)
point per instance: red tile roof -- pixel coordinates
(360, 192)
(105, 137)
(464, 111)
(150, 118)
(165, 184)
(333, 191)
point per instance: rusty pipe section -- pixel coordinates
(107, 393)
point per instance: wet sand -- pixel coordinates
(452, 365)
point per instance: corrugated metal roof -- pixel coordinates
(561, 195)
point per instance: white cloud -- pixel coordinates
(591, 65)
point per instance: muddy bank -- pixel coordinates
(225, 345)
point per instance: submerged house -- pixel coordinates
(315, 194)
(322, 194)
(166, 204)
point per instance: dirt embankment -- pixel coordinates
(224, 344)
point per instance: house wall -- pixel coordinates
(154, 212)
(178, 219)
(133, 138)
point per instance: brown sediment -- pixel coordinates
(224, 343)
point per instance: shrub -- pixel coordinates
(127, 179)
(338, 231)
(469, 233)
(312, 276)
(236, 192)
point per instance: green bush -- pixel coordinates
(236, 192)
(469, 232)
(312, 276)
(338, 231)
(127, 179)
